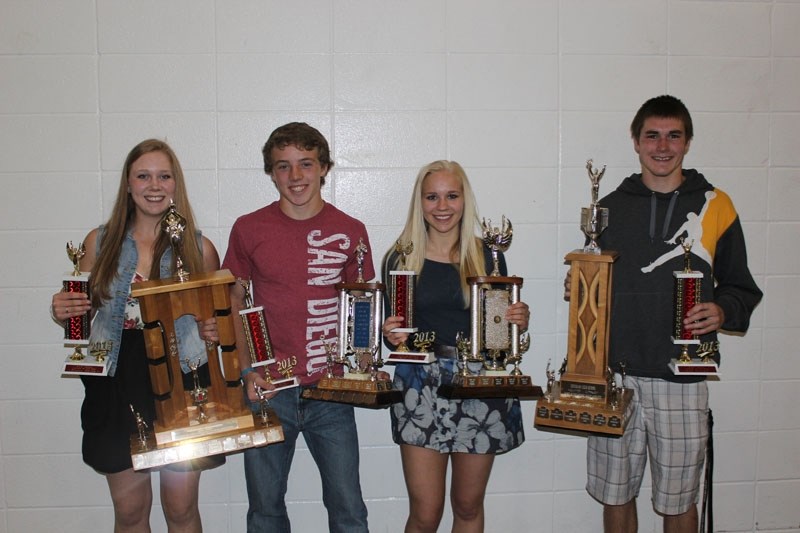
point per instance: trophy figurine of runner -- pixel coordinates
(357, 348)
(402, 284)
(585, 397)
(494, 341)
(688, 289)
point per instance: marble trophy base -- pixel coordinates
(84, 364)
(695, 367)
(400, 356)
(585, 415)
(211, 438)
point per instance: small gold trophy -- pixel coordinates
(77, 329)
(205, 420)
(586, 397)
(494, 342)
(401, 292)
(357, 347)
(688, 290)
(258, 342)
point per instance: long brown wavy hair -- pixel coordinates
(121, 220)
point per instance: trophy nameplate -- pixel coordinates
(357, 348)
(494, 342)
(402, 284)
(688, 290)
(586, 397)
(77, 329)
(202, 421)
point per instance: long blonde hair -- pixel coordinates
(467, 251)
(122, 215)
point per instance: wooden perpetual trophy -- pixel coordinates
(357, 348)
(494, 342)
(202, 421)
(688, 290)
(402, 285)
(586, 397)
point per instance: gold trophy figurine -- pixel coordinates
(494, 343)
(402, 286)
(585, 397)
(174, 225)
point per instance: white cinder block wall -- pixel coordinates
(520, 92)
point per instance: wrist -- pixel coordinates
(248, 370)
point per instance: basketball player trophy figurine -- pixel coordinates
(688, 290)
(494, 342)
(585, 397)
(357, 348)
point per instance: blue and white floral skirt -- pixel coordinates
(485, 426)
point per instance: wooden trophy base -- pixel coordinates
(483, 386)
(422, 358)
(257, 434)
(361, 393)
(696, 367)
(583, 415)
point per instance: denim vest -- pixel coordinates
(107, 325)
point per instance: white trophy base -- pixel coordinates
(288, 383)
(88, 365)
(694, 368)
(410, 357)
(262, 363)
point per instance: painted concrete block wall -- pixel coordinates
(520, 92)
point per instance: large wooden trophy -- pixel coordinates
(357, 348)
(203, 421)
(494, 342)
(586, 397)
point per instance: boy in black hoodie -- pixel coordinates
(649, 214)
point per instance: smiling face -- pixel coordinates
(661, 146)
(151, 184)
(298, 174)
(442, 203)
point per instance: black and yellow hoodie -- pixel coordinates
(646, 227)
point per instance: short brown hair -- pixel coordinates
(301, 135)
(664, 106)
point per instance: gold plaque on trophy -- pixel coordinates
(494, 343)
(357, 348)
(201, 421)
(586, 397)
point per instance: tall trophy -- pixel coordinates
(402, 284)
(494, 343)
(357, 348)
(77, 329)
(257, 337)
(586, 397)
(688, 290)
(204, 420)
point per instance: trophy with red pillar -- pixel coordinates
(688, 290)
(78, 328)
(402, 285)
(257, 336)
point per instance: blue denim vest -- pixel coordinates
(109, 319)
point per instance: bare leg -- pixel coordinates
(681, 522)
(179, 495)
(425, 472)
(467, 490)
(132, 497)
(620, 518)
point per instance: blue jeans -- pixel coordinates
(329, 430)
